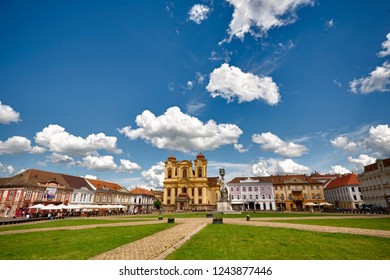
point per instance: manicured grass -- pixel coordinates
(64, 223)
(71, 244)
(367, 223)
(233, 242)
(251, 214)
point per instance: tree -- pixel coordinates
(157, 204)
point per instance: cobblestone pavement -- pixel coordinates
(161, 244)
(156, 246)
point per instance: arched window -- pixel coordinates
(185, 175)
(169, 173)
(200, 172)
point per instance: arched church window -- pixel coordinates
(185, 174)
(169, 173)
(199, 172)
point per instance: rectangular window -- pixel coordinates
(250, 189)
(74, 197)
(27, 197)
(169, 192)
(199, 201)
(257, 196)
(40, 194)
(11, 195)
(244, 196)
(238, 197)
(200, 192)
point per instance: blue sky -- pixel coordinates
(112, 88)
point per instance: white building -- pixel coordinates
(375, 183)
(344, 192)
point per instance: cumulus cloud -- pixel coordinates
(386, 47)
(154, 176)
(274, 167)
(271, 142)
(176, 131)
(17, 145)
(198, 13)
(9, 169)
(361, 161)
(229, 82)
(99, 163)
(128, 166)
(262, 15)
(56, 139)
(61, 159)
(338, 169)
(342, 142)
(240, 148)
(8, 114)
(379, 140)
(378, 80)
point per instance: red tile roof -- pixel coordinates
(141, 191)
(345, 180)
(105, 185)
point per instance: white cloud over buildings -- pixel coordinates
(271, 142)
(18, 145)
(56, 139)
(277, 167)
(230, 82)
(176, 131)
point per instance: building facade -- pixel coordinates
(142, 201)
(375, 183)
(187, 187)
(293, 192)
(253, 193)
(344, 192)
(36, 187)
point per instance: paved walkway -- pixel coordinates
(161, 244)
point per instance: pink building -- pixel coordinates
(252, 193)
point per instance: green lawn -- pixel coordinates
(71, 244)
(65, 223)
(367, 223)
(233, 242)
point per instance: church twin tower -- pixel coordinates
(187, 187)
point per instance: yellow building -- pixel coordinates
(187, 187)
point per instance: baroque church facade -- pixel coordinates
(187, 187)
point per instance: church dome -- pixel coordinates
(200, 156)
(171, 157)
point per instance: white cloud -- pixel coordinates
(229, 82)
(240, 148)
(18, 144)
(56, 139)
(9, 169)
(342, 142)
(271, 142)
(176, 131)
(250, 16)
(386, 47)
(61, 159)
(128, 166)
(361, 161)
(379, 140)
(338, 169)
(99, 163)
(8, 114)
(154, 176)
(329, 24)
(273, 167)
(93, 177)
(378, 80)
(198, 13)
